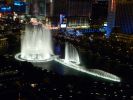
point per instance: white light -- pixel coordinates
(105, 24)
(18, 57)
(63, 25)
(94, 72)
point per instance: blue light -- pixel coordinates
(8, 8)
(108, 31)
(17, 3)
(5, 9)
(19, 6)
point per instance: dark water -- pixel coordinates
(59, 49)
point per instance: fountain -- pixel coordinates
(36, 45)
(71, 54)
(72, 61)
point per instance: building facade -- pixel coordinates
(120, 14)
(38, 7)
(79, 7)
(77, 12)
(99, 11)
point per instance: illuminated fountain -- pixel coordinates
(72, 61)
(71, 54)
(36, 45)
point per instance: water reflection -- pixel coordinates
(56, 67)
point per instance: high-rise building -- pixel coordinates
(120, 14)
(79, 7)
(42, 7)
(76, 11)
(49, 7)
(38, 7)
(59, 7)
(99, 11)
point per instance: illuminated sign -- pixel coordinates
(63, 25)
(18, 3)
(105, 24)
(5, 9)
(63, 21)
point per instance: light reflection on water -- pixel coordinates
(56, 67)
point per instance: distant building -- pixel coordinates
(50, 7)
(38, 7)
(79, 7)
(72, 7)
(78, 12)
(99, 11)
(120, 14)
